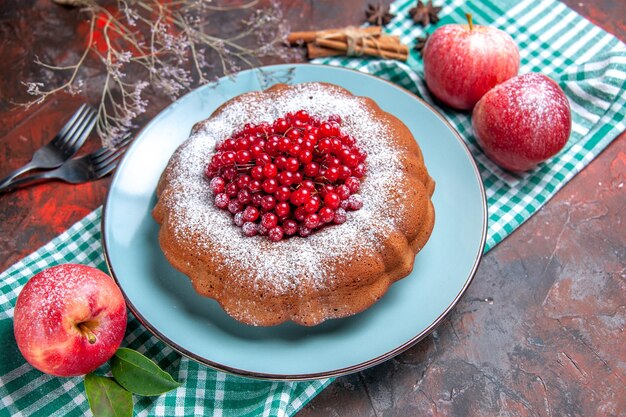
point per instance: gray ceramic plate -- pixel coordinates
(165, 302)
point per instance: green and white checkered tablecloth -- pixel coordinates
(588, 63)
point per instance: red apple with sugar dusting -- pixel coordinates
(523, 121)
(463, 62)
(69, 319)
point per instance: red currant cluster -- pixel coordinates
(293, 176)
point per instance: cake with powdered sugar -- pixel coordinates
(297, 203)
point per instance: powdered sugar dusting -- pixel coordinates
(289, 263)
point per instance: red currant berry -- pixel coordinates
(300, 196)
(280, 125)
(293, 134)
(283, 144)
(257, 199)
(311, 169)
(361, 154)
(353, 184)
(333, 162)
(255, 186)
(334, 118)
(263, 159)
(243, 157)
(302, 115)
(348, 140)
(229, 173)
(355, 202)
(257, 150)
(269, 220)
(326, 188)
(326, 129)
(294, 150)
(250, 214)
(268, 202)
(290, 227)
(326, 214)
(282, 209)
(257, 172)
(292, 164)
(312, 204)
(231, 189)
(360, 170)
(243, 180)
(324, 145)
(305, 156)
(340, 216)
(244, 197)
(228, 158)
(217, 185)
(262, 229)
(282, 193)
(238, 219)
(221, 200)
(300, 214)
(352, 161)
(270, 170)
(270, 185)
(235, 206)
(336, 145)
(243, 144)
(308, 184)
(249, 229)
(280, 162)
(343, 191)
(344, 172)
(275, 234)
(332, 173)
(229, 144)
(312, 221)
(332, 200)
(285, 178)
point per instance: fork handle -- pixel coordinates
(41, 175)
(8, 180)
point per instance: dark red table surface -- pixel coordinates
(541, 331)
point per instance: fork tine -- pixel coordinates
(104, 167)
(80, 136)
(76, 118)
(74, 130)
(111, 156)
(101, 153)
(104, 154)
(102, 171)
(125, 142)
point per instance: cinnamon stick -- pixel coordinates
(316, 51)
(295, 38)
(367, 50)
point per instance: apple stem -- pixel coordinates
(469, 21)
(87, 332)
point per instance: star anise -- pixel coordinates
(378, 15)
(425, 14)
(420, 43)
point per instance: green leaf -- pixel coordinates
(140, 375)
(107, 398)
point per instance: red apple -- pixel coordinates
(463, 62)
(69, 319)
(523, 121)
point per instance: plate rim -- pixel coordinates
(323, 374)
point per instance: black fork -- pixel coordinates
(78, 170)
(62, 147)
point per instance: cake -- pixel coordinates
(307, 275)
